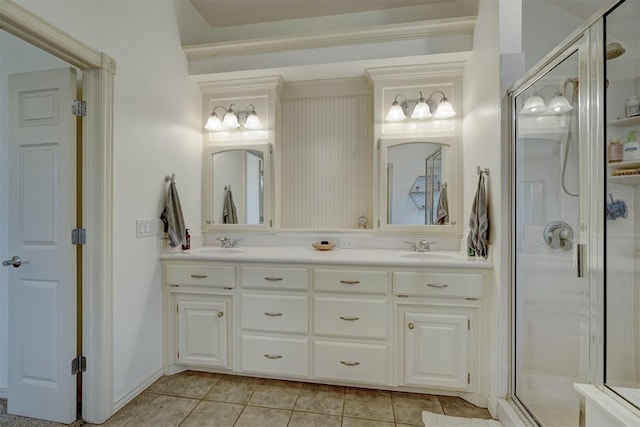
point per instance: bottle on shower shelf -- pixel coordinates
(614, 150)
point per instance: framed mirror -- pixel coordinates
(237, 188)
(418, 185)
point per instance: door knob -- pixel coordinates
(15, 262)
(410, 326)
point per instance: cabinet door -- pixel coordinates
(202, 333)
(437, 350)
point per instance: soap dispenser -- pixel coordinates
(631, 148)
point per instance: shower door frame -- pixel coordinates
(591, 138)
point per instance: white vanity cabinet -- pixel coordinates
(407, 327)
(199, 315)
(274, 320)
(438, 333)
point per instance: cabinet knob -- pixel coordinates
(410, 325)
(220, 314)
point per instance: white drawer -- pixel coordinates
(364, 363)
(201, 275)
(466, 285)
(353, 281)
(276, 313)
(274, 278)
(350, 317)
(286, 356)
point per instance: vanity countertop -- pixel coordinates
(303, 255)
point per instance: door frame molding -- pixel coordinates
(97, 198)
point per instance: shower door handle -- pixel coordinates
(581, 248)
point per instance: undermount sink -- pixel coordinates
(220, 250)
(427, 255)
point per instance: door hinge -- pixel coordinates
(79, 108)
(379, 144)
(78, 236)
(270, 223)
(468, 378)
(468, 324)
(79, 364)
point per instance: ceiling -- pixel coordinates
(226, 13)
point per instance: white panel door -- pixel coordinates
(42, 290)
(437, 350)
(202, 333)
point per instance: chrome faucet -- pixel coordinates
(226, 242)
(424, 246)
(420, 246)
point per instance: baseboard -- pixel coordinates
(139, 388)
(4, 392)
(492, 406)
(508, 415)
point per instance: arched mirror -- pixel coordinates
(237, 188)
(418, 185)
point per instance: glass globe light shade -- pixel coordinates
(421, 110)
(559, 104)
(445, 110)
(534, 105)
(230, 120)
(396, 113)
(253, 122)
(213, 123)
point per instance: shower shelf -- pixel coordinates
(631, 180)
(628, 164)
(630, 121)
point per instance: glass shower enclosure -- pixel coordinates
(575, 234)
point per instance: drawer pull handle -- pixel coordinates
(437, 285)
(227, 288)
(273, 356)
(349, 363)
(410, 326)
(350, 282)
(173, 285)
(273, 279)
(350, 319)
(199, 276)
(273, 314)
(220, 313)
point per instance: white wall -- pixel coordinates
(157, 132)
(16, 56)
(482, 147)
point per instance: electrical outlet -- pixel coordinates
(347, 244)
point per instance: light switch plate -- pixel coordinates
(148, 227)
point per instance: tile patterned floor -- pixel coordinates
(198, 399)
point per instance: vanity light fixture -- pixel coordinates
(559, 104)
(232, 119)
(422, 109)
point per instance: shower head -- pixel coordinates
(614, 50)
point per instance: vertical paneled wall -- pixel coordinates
(327, 160)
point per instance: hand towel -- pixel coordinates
(173, 218)
(479, 222)
(442, 216)
(229, 214)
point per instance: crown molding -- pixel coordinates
(29, 27)
(239, 86)
(381, 33)
(409, 72)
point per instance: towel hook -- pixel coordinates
(227, 187)
(484, 171)
(171, 177)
